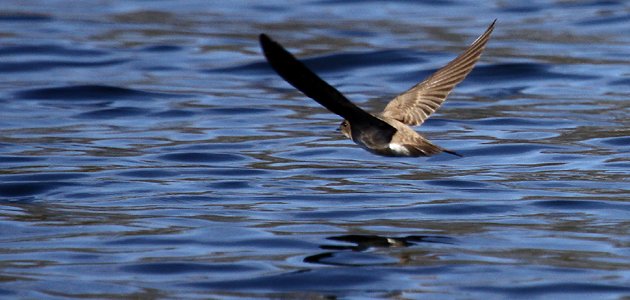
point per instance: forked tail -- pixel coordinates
(452, 152)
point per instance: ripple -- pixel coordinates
(503, 92)
(162, 48)
(43, 177)
(456, 183)
(518, 71)
(5, 292)
(513, 122)
(298, 281)
(48, 49)
(344, 172)
(230, 185)
(237, 111)
(464, 209)
(347, 61)
(21, 189)
(232, 172)
(152, 241)
(367, 2)
(131, 164)
(311, 152)
(157, 173)
(521, 9)
(183, 268)
(19, 159)
(506, 150)
(41, 65)
(338, 62)
(350, 259)
(605, 21)
(612, 141)
(23, 17)
(87, 92)
(622, 82)
(174, 113)
(555, 288)
(193, 157)
(118, 112)
(580, 204)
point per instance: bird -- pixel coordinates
(389, 132)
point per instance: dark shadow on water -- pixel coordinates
(582, 205)
(605, 20)
(335, 62)
(49, 49)
(23, 189)
(88, 92)
(148, 173)
(174, 113)
(169, 268)
(453, 183)
(519, 71)
(41, 65)
(111, 113)
(501, 73)
(162, 48)
(24, 17)
(6, 159)
(348, 268)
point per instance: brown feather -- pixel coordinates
(415, 105)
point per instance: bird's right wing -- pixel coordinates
(414, 106)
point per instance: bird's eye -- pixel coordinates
(344, 124)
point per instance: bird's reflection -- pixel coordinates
(361, 243)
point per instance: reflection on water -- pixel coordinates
(148, 151)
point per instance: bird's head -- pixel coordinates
(345, 129)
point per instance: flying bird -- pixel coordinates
(387, 133)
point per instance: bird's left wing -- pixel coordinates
(305, 80)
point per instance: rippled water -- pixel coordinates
(147, 151)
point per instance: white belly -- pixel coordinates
(399, 149)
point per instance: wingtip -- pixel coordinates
(263, 38)
(492, 24)
(268, 45)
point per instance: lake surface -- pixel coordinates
(147, 151)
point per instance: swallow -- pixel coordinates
(388, 133)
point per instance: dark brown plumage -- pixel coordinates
(387, 133)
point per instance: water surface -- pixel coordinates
(148, 151)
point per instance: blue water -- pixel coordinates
(148, 151)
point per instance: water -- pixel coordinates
(147, 151)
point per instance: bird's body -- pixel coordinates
(404, 142)
(387, 133)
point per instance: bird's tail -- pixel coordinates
(452, 152)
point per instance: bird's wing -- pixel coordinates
(303, 79)
(415, 105)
